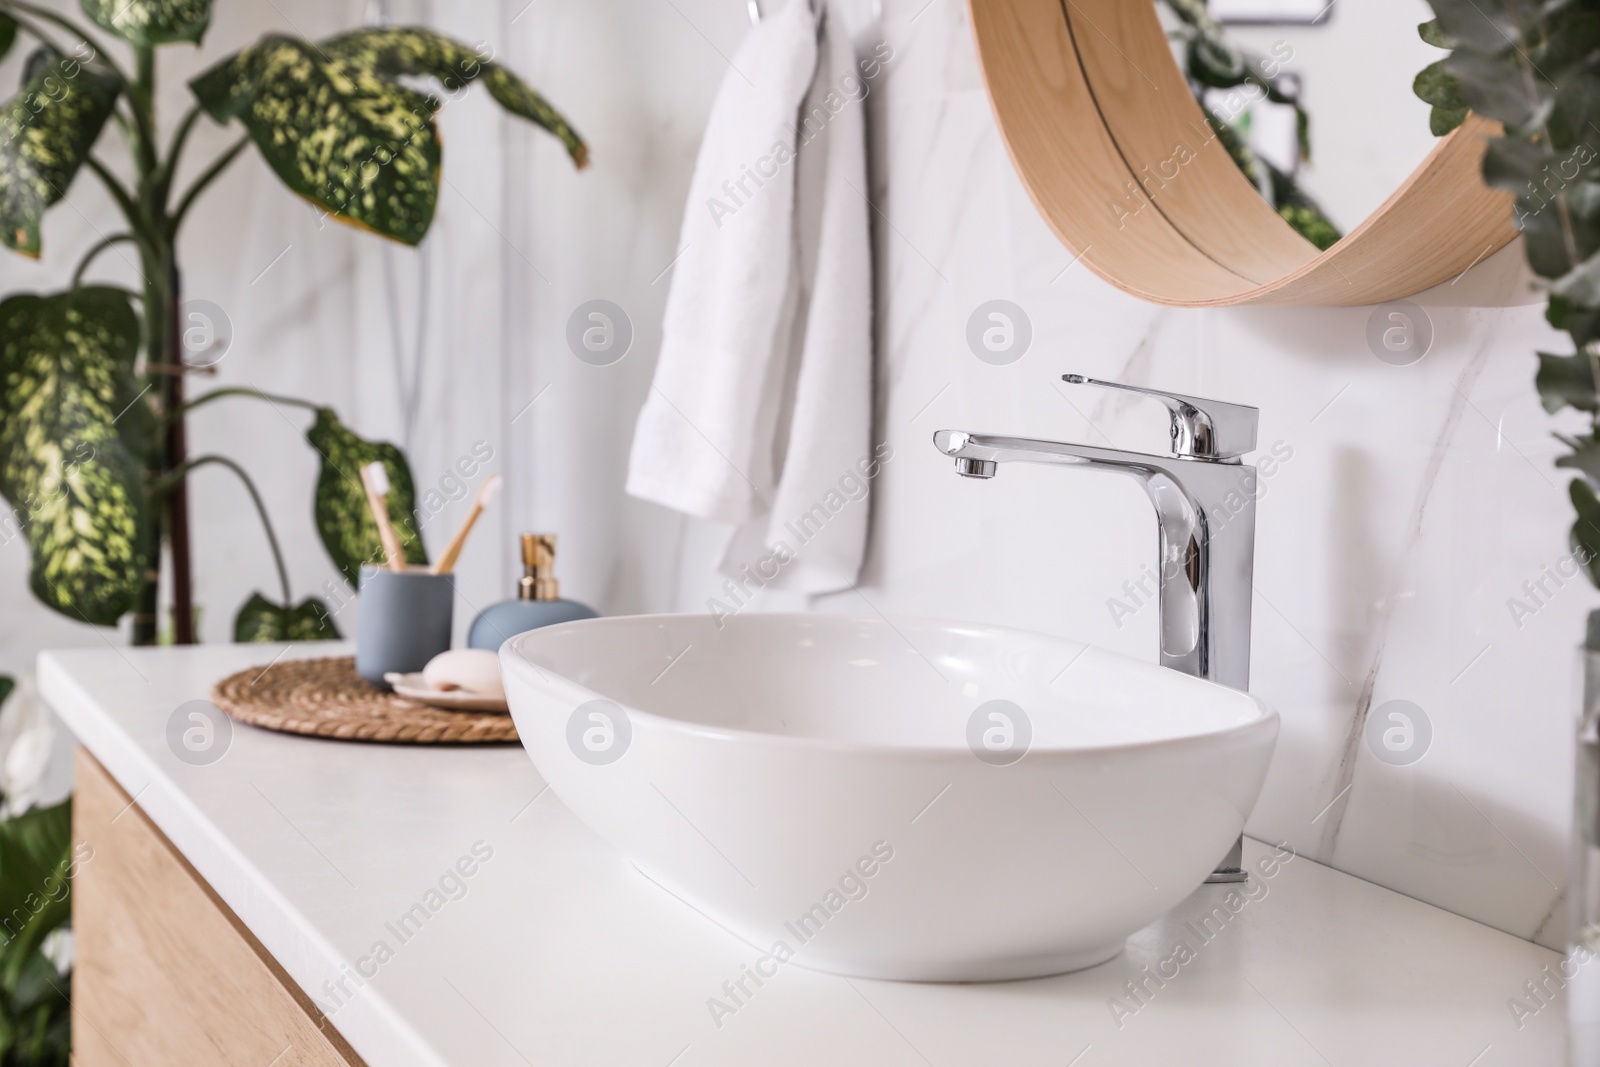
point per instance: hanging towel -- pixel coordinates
(760, 411)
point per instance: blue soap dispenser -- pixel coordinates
(538, 601)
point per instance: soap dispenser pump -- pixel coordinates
(538, 602)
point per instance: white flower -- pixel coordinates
(57, 948)
(27, 736)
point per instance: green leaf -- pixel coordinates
(1585, 537)
(1213, 63)
(1442, 121)
(8, 33)
(1544, 238)
(46, 132)
(363, 147)
(1570, 35)
(71, 438)
(150, 22)
(1489, 28)
(1583, 323)
(338, 128)
(1512, 163)
(1585, 457)
(1437, 86)
(1566, 381)
(1580, 285)
(1496, 87)
(35, 888)
(1577, 101)
(259, 619)
(7, 684)
(343, 519)
(1431, 32)
(414, 51)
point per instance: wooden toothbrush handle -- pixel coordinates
(394, 555)
(452, 551)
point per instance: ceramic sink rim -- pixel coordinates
(512, 657)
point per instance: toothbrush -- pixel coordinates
(486, 494)
(375, 480)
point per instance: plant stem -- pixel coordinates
(141, 97)
(176, 456)
(124, 199)
(240, 390)
(200, 183)
(179, 475)
(34, 31)
(99, 246)
(168, 517)
(67, 24)
(162, 181)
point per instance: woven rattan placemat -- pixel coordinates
(327, 698)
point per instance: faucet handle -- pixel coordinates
(1204, 429)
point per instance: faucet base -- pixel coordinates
(1231, 869)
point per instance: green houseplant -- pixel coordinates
(93, 451)
(1211, 61)
(1534, 66)
(37, 861)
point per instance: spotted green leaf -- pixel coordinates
(259, 619)
(71, 437)
(418, 52)
(343, 519)
(46, 131)
(336, 126)
(152, 21)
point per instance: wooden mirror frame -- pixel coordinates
(1119, 159)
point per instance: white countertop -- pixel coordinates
(556, 951)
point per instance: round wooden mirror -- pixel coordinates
(1119, 159)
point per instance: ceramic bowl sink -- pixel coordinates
(892, 798)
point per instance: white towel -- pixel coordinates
(760, 412)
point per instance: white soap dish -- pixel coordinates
(416, 687)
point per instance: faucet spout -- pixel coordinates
(1205, 502)
(1205, 515)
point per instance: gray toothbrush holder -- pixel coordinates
(403, 621)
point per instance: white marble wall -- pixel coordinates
(1417, 502)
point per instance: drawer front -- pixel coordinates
(165, 972)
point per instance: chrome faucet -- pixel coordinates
(1205, 501)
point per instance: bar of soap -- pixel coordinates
(471, 669)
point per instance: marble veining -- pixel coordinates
(1344, 772)
(1417, 503)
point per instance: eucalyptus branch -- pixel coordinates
(178, 474)
(239, 390)
(200, 184)
(98, 247)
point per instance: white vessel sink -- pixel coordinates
(808, 782)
